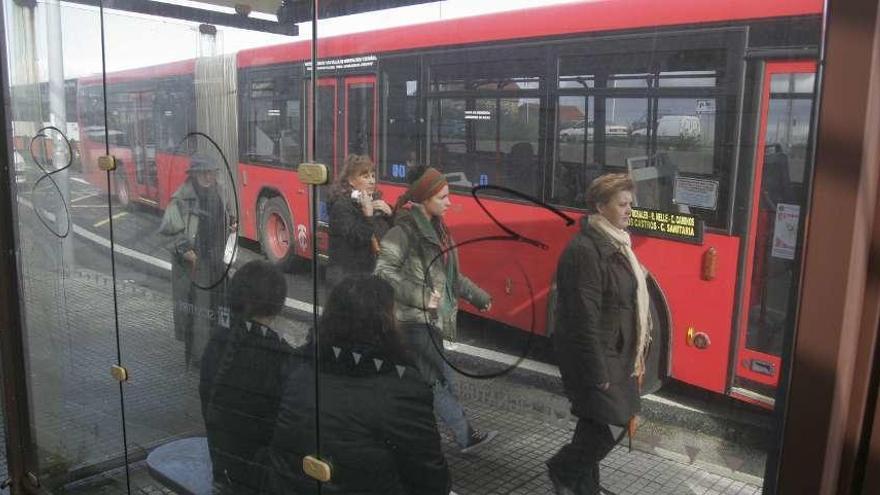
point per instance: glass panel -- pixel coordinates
(452, 342)
(361, 117)
(575, 165)
(271, 104)
(325, 126)
(66, 286)
(626, 132)
(404, 126)
(781, 203)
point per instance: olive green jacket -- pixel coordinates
(407, 250)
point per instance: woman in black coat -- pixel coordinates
(377, 427)
(602, 333)
(358, 219)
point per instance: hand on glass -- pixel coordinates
(434, 301)
(382, 206)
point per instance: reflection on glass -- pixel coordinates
(542, 101)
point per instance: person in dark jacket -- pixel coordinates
(377, 425)
(358, 219)
(197, 221)
(602, 333)
(418, 259)
(242, 376)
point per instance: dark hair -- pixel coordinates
(360, 313)
(257, 289)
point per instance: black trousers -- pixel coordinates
(576, 464)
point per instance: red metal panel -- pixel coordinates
(171, 173)
(605, 15)
(706, 306)
(287, 183)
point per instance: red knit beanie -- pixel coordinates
(426, 186)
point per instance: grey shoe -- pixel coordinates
(477, 440)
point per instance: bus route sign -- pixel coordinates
(666, 225)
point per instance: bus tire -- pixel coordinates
(657, 360)
(277, 233)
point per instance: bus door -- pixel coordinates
(346, 124)
(143, 148)
(782, 169)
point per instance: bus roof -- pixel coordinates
(180, 68)
(558, 20)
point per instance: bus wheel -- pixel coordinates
(277, 236)
(657, 361)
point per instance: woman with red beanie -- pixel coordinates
(417, 258)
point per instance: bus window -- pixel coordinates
(626, 133)
(175, 114)
(361, 105)
(655, 114)
(574, 136)
(685, 130)
(484, 121)
(403, 125)
(270, 108)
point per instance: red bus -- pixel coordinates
(709, 106)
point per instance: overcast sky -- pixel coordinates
(138, 40)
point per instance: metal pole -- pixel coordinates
(58, 118)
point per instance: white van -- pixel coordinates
(684, 126)
(675, 126)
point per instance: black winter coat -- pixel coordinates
(351, 235)
(242, 377)
(378, 430)
(596, 332)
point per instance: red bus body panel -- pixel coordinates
(561, 20)
(255, 178)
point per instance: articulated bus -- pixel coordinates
(708, 107)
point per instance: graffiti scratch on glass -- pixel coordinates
(42, 138)
(511, 236)
(225, 275)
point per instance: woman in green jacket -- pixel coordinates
(417, 258)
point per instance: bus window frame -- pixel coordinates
(733, 40)
(246, 75)
(728, 95)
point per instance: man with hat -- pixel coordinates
(197, 221)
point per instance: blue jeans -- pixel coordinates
(446, 406)
(424, 343)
